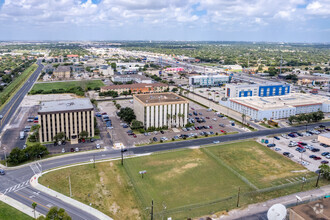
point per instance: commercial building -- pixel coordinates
(136, 88)
(68, 116)
(246, 90)
(131, 78)
(62, 72)
(278, 107)
(324, 138)
(161, 109)
(208, 80)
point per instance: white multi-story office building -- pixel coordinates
(161, 110)
(278, 107)
(68, 116)
(208, 80)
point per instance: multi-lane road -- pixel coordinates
(9, 109)
(15, 183)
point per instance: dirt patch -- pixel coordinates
(177, 171)
(114, 208)
(111, 164)
(119, 180)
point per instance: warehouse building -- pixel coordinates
(161, 110)
(246, 90)
(68, 116)
(278, 107)
(209, 80)
(136, 88)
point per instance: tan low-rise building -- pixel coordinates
(68, 116)
(136, 88)
(62, 72)
(161, 110)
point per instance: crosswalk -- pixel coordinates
(36, 168)
(16, 187)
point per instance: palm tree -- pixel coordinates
(243, 118)
(180, 117)
(34, 205)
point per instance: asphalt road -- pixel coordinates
(10, 108)
(13, 183)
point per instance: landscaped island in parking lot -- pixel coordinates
(184, 183)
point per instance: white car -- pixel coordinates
(98, 146)
(63, 150)
(328, 156)
(216, 142)
(77, 149)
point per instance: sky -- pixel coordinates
(186, 20)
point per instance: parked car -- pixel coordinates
(312, 156)
(98, 146)
(317, 158)
(2, 172)
(154, 139)
(324, 162)
(271, 145)
(277, 138)
(277, 149)
(63, 150)
(315, 150)
(77, 149)
(325, 153)
(72, 150)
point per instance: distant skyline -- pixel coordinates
(214, 20)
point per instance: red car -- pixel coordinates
(211, 127)
(35, 121)
(192, 109)
(134, 135)
(317, 158)
(324, 162)
(207, 117)
(104, 113)
(83, 140)
(222, 131)
(196, 128)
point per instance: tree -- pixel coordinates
(243, 118)
(16, 156)
(325, 171)
(56, 214)
(59, 136)
(113, 66)
(136, 124)
(317, 68)
(291, 119)
(174, 89)
(83, 134)
(35, 129)
(34, 205)
(168, 120)
(127, 114)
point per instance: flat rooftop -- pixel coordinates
(319, 209)
(206, 76)
(155, 98)
(279, 102)
(65, 105)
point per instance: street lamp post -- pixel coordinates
(70, 186)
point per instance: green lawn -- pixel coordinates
(8, 213)
(261, 166)
(11, 89)
(183, 183)
(48, 87)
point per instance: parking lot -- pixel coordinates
(302, 147)
(209, 127)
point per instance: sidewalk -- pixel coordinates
(255, 209)
(19, 206)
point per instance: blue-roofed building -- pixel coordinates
(267, 90)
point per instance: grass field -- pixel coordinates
(48, 87)
(8, 213)
(11, 89)
(183, 183)
(261, 166)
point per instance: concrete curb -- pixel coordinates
(73, 202)
(19, 206)
(48, 159)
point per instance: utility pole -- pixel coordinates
(70, 186)
(94, 160)
(152, 210)
(122, 155)
(239, 190)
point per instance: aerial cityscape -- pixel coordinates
(214, 110)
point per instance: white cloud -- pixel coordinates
(321, 7)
